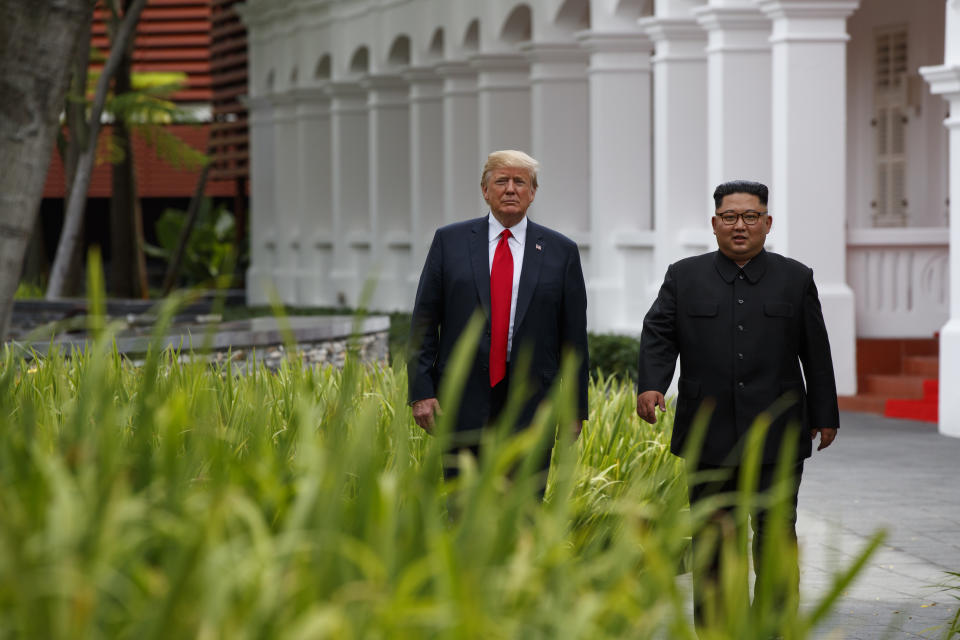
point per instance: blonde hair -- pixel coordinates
(513, 159)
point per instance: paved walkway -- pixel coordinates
(897, 475)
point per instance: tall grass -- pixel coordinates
(181, 500)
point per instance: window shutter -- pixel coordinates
(890, 123)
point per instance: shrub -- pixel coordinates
(184, 500)
(614, 355)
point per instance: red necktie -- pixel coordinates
(501, 294)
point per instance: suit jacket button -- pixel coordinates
(739, 327)
(740, 384)
(740, 356)
(740, 301)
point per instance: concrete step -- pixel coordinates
(894, 386)
(926, 366)
(924, 410)
(863, 403)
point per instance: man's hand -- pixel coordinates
(424, 411)
(647, 403)
(576, 428)
(826, 437)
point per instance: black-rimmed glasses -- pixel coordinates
(749, 217)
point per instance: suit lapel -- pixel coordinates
(533, 250)
(480, 259)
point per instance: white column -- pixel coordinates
(738, 92)
(389, 112)
(945, 80)
(461, 143)
(287, 212)
(350, 194)
(681, 212)
(316, 241)
(808, 189)
(503, 101)
(559, 138)
(262, 232)
(427, 164)
(621, 179)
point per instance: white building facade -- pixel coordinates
(370, 121)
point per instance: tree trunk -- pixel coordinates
(37, 39)
(193, 210)
(72, 223)
(124, 280)
(77, 137)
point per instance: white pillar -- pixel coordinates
(287, 211)
(559, 137)
(945, 80)
(808, 189)
(503, 101)
(316, 243)
(621, 179)
(461, 143)
(262, 189)
(349, 190)
(738, 92)
(389, 113)
(681, 212)
(427, 164)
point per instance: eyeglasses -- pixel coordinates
(749, 217)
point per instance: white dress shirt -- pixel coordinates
(516, 243)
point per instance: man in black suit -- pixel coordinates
(742, 321)
(525, 279)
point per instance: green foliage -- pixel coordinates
(614, 355)
(952, 585)
(28, 290)
(610, 354)
(190, 500)
(210, 251)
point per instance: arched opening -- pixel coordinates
(360, 61)
(270, 80)
(632, 9)
(399, 55)
(435, 50)
(574, 15)
(471, 39)
(294, 75)
(518, 26)
(322, 70)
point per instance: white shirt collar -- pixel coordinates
(519, 230)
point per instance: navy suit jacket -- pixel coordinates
(741, 335)
(550, 318)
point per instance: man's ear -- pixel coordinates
(713, 223)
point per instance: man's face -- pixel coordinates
(509, 192)
(740, 241)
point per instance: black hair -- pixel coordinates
(740, 186)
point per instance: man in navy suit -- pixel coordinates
(742, 321)
(527, 282)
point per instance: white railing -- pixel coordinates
(900, 279)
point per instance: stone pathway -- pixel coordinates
(888, 474)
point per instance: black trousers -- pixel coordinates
(471, 441)
(708, 540)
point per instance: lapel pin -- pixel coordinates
(539, 248)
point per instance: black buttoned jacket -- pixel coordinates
(741, 336)
(550, 318)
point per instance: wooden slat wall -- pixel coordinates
(173, 35)
(228, 66)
